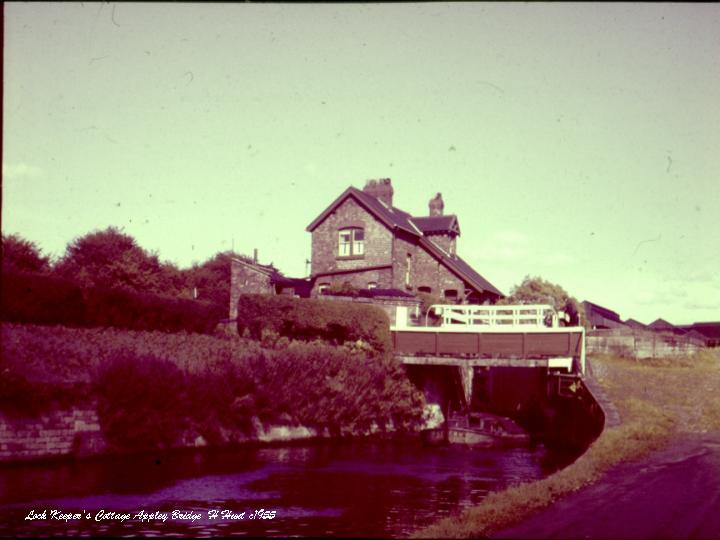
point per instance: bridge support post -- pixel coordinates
(466, 376)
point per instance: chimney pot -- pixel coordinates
(436, 205)
(255, 256)
(380, 189)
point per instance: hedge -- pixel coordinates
(298, 318)
(136, 311)
(41, 299)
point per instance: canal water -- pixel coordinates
(376, 489)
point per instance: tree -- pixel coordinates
(212, 278)
(20, 255)
(535, 290)
(111, 258)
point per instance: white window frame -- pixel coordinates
(351, 242)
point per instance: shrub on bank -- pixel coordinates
(332, 321)
(153, 387)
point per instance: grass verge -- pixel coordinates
(657, 400)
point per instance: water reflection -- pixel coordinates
(358, 489)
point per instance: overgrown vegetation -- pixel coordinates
(333, 321)
(155, 388)
(657, 401)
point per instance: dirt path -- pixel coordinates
(673, 493)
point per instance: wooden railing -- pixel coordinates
(533, 315)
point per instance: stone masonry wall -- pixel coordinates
(245, 280)
(360, 280)
(54, 434)
(387, 304)
(378, 240)
(426, 271)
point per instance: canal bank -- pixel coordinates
(69, 392)
(662, 405)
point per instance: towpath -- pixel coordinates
(673, 493)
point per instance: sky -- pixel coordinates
(575, 142)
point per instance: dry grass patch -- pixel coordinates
(655, 399)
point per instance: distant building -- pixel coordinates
(599, 317)
(250, 277)
(661, 325)
(636, 325)
(364, 241)
(709, 332)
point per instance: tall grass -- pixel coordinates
(657, 401)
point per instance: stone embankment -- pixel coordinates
(77, 433)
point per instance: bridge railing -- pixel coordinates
(530, 315)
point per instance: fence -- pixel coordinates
(640, 344)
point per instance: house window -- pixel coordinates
(451, 294)
(425, 289)
(408, 270)
(372, 285)
(323, 287)
(351, 242)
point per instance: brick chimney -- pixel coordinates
(380, 189)
(436, 205)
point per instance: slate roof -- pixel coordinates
(457, 265)
(708, 329)
(632, 323)
(395, 219)
(603, 312)
(437, 224)
(661, 324)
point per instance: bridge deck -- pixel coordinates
(490, 346)
(487, 362)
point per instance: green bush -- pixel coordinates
(304, 319)
(137, 311)
(40, 299)
(141, 401)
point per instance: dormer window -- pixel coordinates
(351, 242)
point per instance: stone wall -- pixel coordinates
(378, 240)
(425, 271)
(69, 432)
(381, 276)
(76, 433)
(387, 304)
(640, 344)
(246, 280)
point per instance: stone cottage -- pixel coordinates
(363, 240)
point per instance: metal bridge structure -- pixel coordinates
(467, 337)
